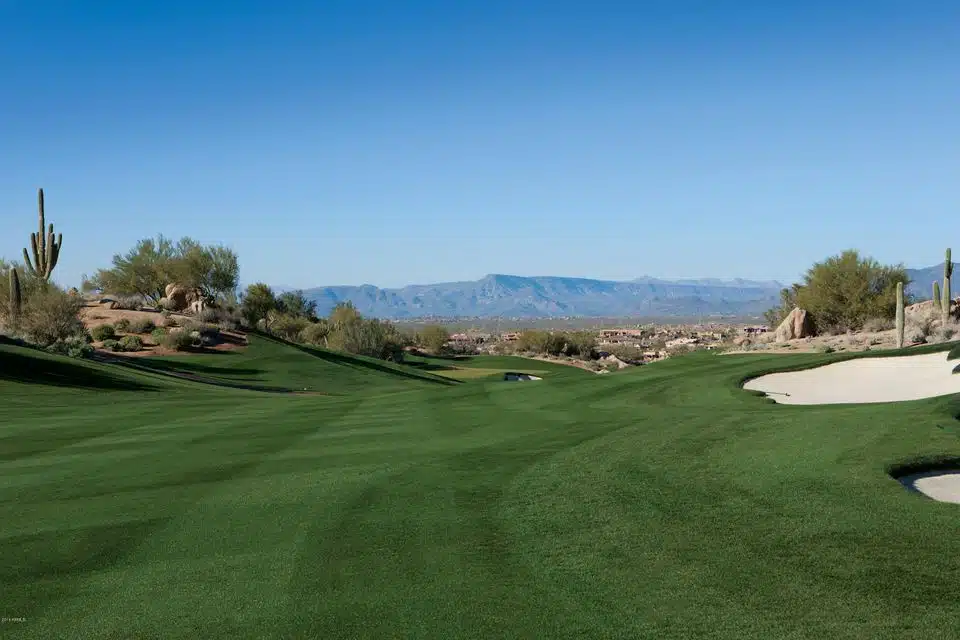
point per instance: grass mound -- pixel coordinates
(269, 364)
(664, 501)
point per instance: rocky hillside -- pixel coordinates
(538, 297)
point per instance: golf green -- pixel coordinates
(390, 502)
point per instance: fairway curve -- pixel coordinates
(863, 380)
(942, 485)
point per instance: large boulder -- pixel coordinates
(927, 309)
(796, 325)
(180, 298)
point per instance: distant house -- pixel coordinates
(754, 330)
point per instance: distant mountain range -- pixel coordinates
(921, 285)
(507, 296)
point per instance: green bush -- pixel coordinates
(76, 346)
(843, 292)
(158, 334)
(558, 343)
(103, 332)
(143, 325)
(374, 338)
(111, 345)
(50, 315)
(434, 338)
(178, 340)
(287, 326)
(315, 333)
(122, 325)
(131, 343)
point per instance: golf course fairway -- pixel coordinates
(386, 501)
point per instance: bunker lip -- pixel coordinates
(940, 483)
(863, 380)
(511, 376)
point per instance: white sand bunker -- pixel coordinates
(939, 485)
(518, 377)
(863, 380)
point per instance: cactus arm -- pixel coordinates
(946, 293)
(15, 297)
(937, 302)
(900, 315)
(41, 249)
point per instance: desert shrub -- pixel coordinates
(166, 305)
(874, 325)
(258, 301)
(434, 337)
(111, 345)
(103, 332)
(127, 303)
(922, 326)
(158, 334)
(287, 326)
(315, 333)
(50, 315)
(558, 343)
(122, 325)
(843, 291)
(131, 343)
(208, 314)
(627, 353)
(180, 340)
(76, 346)
(539, 341)
(142, 325)
(374, 338)
(581, 344)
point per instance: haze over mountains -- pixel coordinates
(550, 296)
(501, 295)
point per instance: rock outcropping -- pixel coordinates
(796, 325)
(180, 298)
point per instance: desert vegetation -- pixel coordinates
(843, 292)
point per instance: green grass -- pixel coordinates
(268, 364)
(466, 368)
(663, 502)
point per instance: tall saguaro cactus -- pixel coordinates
(937, 302)
(15, 296)
(46, 248)
(900, 314)
(945, 303)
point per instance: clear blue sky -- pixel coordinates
(394, 142)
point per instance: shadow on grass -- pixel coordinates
(355, 361)
(136, 365)
(167, 366)
(429, 366)
(23, 367)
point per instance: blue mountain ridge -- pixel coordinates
(501, 295)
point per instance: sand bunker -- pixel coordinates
(939, 485)
(863, 380)
(518, 377)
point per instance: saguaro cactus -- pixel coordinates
(900, 322)
(15, 295)
(46, 248)
(945, 304)
(937, 302)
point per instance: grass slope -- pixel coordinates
(660, 502)
(466, 368)
(270, 364)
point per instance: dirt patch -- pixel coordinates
(94, 314)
